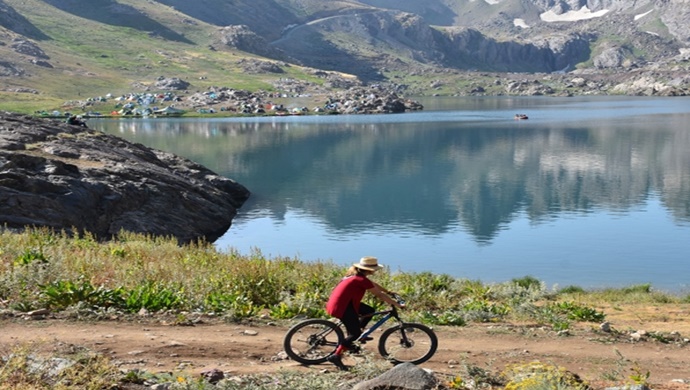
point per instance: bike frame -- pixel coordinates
(387, 315)
(390, 313)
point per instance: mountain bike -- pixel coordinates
(313, 340)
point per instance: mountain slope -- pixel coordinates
(59, 49)
(93, 51)
(111, 12)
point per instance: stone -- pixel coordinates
(29, 48)
(38, 313)
(630, 387)
(171, 84)
(213, 375)
(405, 376)
(611, 58)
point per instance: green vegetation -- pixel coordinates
(540, 376)
(84, 370)
(94, 56)
(40, 269)
(22, 369)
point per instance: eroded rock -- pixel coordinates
(74, 179)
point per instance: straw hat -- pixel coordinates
(368, 263)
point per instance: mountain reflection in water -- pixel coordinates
(588, 191)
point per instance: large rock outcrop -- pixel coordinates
(405, 376)
(242, 38)
(71, 178)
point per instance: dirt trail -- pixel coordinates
(239, 349)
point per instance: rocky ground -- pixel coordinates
(604, 359)
(345, 94)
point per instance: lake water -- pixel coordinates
(593, 192)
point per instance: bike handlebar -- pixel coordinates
(397, 298)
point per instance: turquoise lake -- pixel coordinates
(589, 191)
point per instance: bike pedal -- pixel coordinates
(355, 349)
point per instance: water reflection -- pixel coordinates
(431, 176)
(436, 176)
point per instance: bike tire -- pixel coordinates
(312, 341)
(408, 343)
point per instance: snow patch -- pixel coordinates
(643, 15)
(520, 23)
(572, 16)
(493, 2)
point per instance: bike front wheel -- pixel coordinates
(408, 343)
(312, 341)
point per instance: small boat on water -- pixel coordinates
(521, 116)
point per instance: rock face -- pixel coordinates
(242, 38)
(28, 48)
(461, 46)
(70, 178)
(171, 84)
(405, 376)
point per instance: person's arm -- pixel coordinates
(381, 294)
(389, 292)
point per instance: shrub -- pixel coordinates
(309, 305)
(540, 376)
(152, 296)
(30, 256)
(23, 369)
(527, 282)
(577, 312)
(448, 317)
(636, 289)
(64, 293)
(234, 303)
(571, 290)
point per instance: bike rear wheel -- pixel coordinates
(408, 343)
(312, 341)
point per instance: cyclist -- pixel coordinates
(345, 303)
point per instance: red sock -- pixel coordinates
(340, 350)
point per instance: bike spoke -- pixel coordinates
(312, 342)
(409, 343)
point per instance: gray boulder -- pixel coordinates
(8, 69)
(29, 48)
(241, 37)
(74, 179)
(405, 376)
(613, 57)
(171, 84)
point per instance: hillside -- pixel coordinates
(58, 50)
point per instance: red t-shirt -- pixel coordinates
(350, 289)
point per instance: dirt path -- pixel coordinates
(239, 349)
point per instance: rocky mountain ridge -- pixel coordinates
(386, 40)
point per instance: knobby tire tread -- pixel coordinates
(294, 331)
(432, 338)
